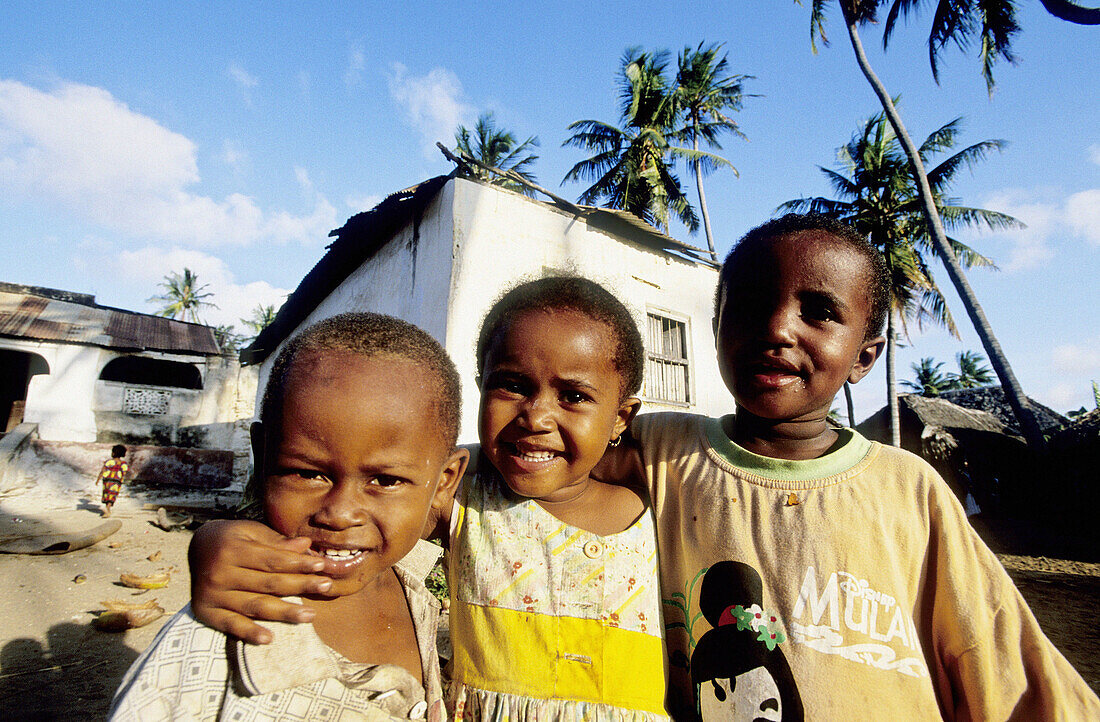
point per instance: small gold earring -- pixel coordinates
(615, 442)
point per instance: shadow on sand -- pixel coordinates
(72, 678)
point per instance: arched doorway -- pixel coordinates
(16, 369)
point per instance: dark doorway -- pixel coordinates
(16, 369)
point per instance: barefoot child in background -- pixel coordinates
(555, 610)
(355, 444)
(111, 476)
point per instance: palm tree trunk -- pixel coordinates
(892, 380)
(1071, 12)
(703, 201)
(851, 405)
(1012, 390)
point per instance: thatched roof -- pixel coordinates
(938, 411)
(1084, 428)
(935, 427)
(992, 400)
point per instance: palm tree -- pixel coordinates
(958, 22)
(261, 318)
(183, 296)
(229, 341)
(630, 166)
(930, 379)
(877, 195)
(972, 374)
(705, 92)
(497, 147)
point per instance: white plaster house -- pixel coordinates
(438, 254)
(85, 372)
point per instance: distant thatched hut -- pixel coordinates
(1031, 501)
(953, 438)
(992, 400)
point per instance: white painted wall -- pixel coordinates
(61, 402)
(65, 402)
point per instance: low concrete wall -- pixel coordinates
(149, 465)
(49, 474)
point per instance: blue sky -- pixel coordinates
(139, 138)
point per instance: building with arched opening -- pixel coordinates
(91, 373)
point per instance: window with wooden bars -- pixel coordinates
(667, 368)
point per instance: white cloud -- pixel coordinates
(1094, 153)
(1063, 396)
(362, 203)
(1076, 359)
(1029, 246)
(1083, 214)
(433, 104)
(245, 80)
(1073, 367)
(235, 156)
(302, 176)
(147, 267)
(79, 147)
(285, 227)
(1048, 217)
(241, 76)
(357, 63)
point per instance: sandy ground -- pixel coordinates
(55, 666)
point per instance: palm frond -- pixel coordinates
(940, 176)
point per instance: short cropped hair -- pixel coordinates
(878, 273)
(572, 293)
(118, 451)
(370, 334)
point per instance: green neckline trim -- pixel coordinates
(852, 449)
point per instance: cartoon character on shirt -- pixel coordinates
(738, 669)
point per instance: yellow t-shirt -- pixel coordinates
(845, 587)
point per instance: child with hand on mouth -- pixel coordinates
(555, 608)
(355, 446)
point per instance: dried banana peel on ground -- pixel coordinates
(152, 581)
(121, 605)
(119, 620)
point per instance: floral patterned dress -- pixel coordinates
(548, 621)
(113, 472)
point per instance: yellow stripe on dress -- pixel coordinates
(565, 544)
(633, 674)
(521, 578)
